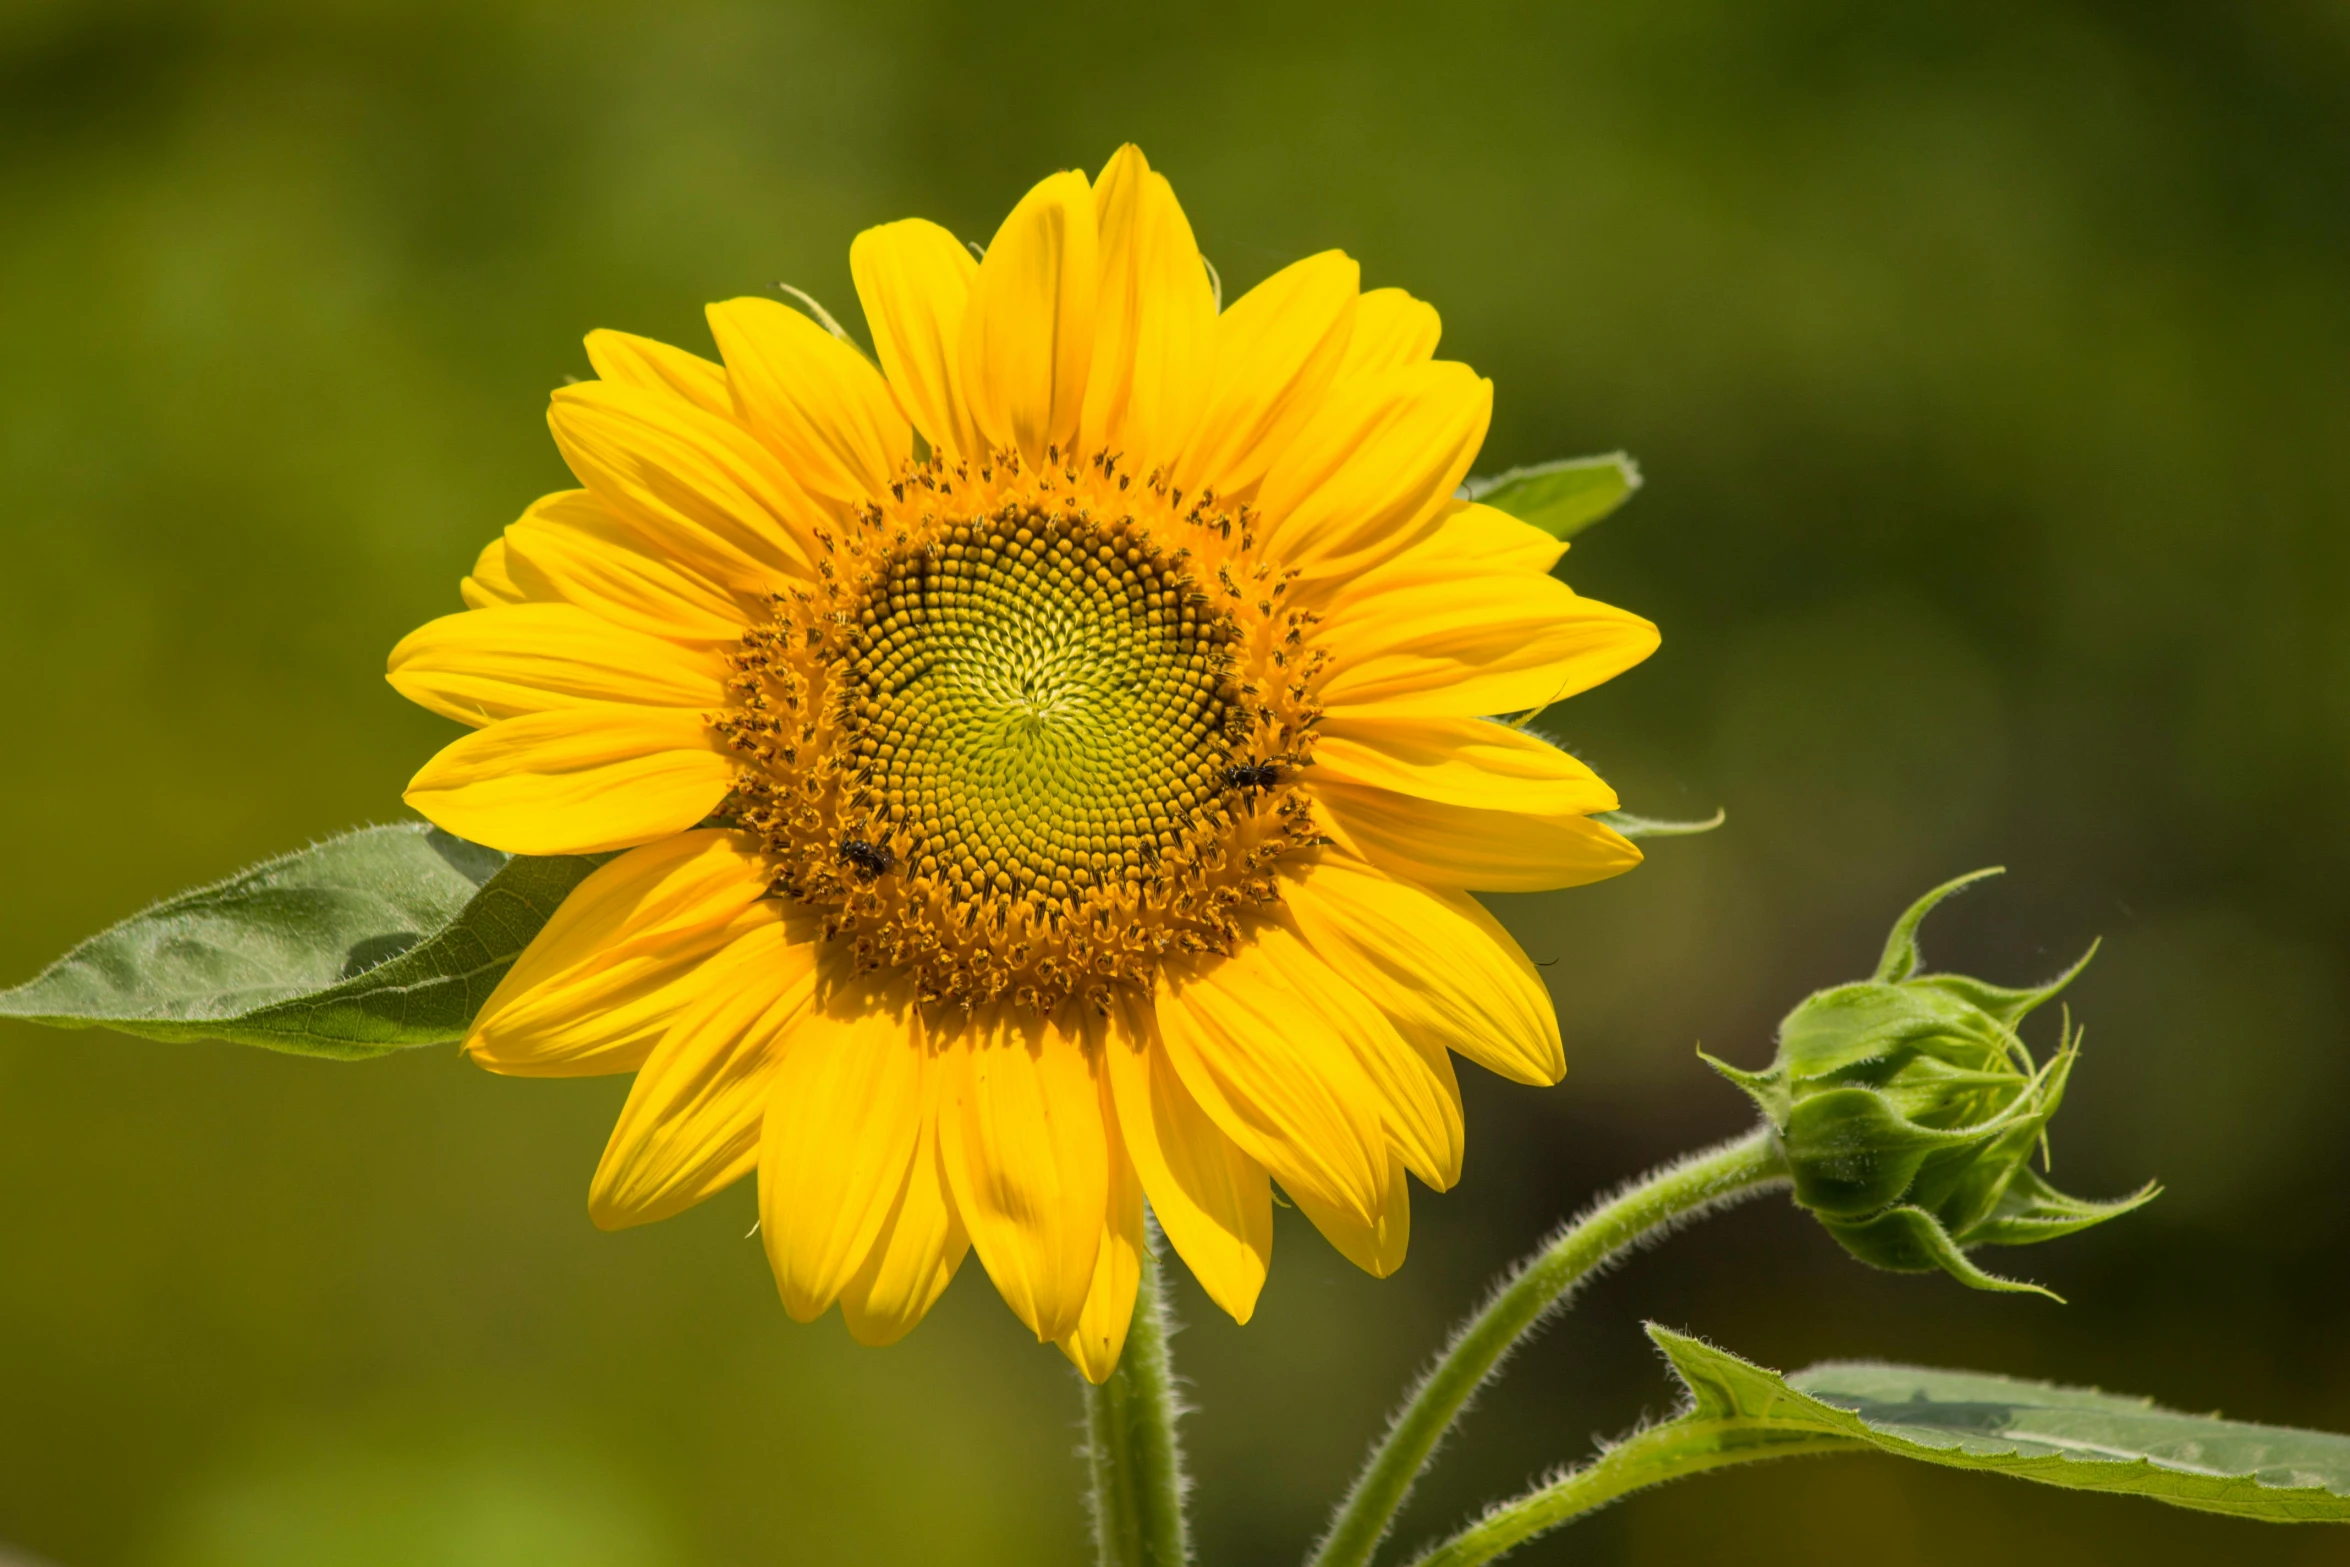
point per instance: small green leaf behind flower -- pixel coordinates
(1627, 825)
(377, 940)
(1909, 1110)
(1561, 498)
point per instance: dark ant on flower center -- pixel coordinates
(870, 859)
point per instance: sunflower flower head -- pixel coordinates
(1047, 763)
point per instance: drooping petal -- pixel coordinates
(1419, 1101)
(914, 280)
(579, 780)
(488, 664)
(1276, 1078)
(922, 1243)
(1461, 846)
(1154, 328)
(1276, 352)
(691, 1124)
(1466, 646)
(1459, 761)
(569, 548)
(1393, 331)
(1376, 1244)
(1374, 468)
(696, 482)
(844, 1117)
(1028, 333)
(1214, 1201)
(1440, 967)
(622, 957)
(1098, 1337)
(1027, 1157)
(812, 398)
(627, 360)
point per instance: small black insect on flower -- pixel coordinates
(870, 859)
(1252, 775)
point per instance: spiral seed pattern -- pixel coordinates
(1032, 732)
(1037, 704)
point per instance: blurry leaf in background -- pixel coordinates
(378, 940)
(451, 1499)
(1561, 498)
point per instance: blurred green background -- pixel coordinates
(1990, 365)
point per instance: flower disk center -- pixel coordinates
(1038, 710)
(1031, 732)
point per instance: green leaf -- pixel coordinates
(378, 940)
(2078, 1438)
(1627, 825)
(1561, 498)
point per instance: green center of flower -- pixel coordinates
(1030, 732)
(1036, 705)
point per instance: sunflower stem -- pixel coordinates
(1137, 1464)
(1648, 1209)
(1671, 1451)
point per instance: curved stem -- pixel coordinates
(1676, 1449)
(1646, 1210)
(1138, 1481)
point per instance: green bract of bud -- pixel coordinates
(1909, 1110)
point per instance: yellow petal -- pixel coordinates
(812, 398)
(844, 1116)
(490, 584)
(1277, 350)
(579, 780)
(1461, 846)
(1369, 474)
(627, 360)
(1419, 1101)
(1027, 1157)
(1213, 1201)
(1276, 1078)
(697, 483)
(914, 280)
(1459, 761)
(1445, 973)
(1099, 1336)
(1393, 331)
(691, 1124)
(502, 662)
(1028, 334)
(1470, 645)
(921, 1245)
(1154, 329)
(567, 547)
(1376, 1245)
(621, 957)
(1470, 540)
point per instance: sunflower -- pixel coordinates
(1046, 769)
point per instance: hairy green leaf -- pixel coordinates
(1561, 498)
(2073, 1437)
(2084, 1440)
(378, 940)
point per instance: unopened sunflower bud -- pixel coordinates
(1909, 1111)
